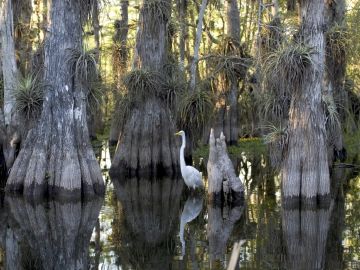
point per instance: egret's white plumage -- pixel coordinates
(192, 177)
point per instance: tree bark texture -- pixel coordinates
(334, 79)
(147, 144)
(120, 59)
(57, 158)
(199, 30)
(57, 234)
(221, 174)
(291, 5)
(23, 38)
(9, 137)
(231, 121)
(305, 171)
(95, 119)
(183, 7)
(305, 234)
(150, 210)
(9, 62)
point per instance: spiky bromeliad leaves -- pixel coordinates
(230, 60)
(285, 67)
(85, 69)
(142, 84)
(29, 95)
(195, 108)
(83, 63)
(337, 39)
(277, 140)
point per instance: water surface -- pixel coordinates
(158, 224)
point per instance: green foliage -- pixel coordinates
(273, 104)
(29, 96)
(337, 38)
(97, 90)
(272, 36)
(285, 67)
(276, 135)
(230, 60)
(83, 64)
(332, 114)
(195, 109)
(277, 140)
(252, 146)
(142, 84)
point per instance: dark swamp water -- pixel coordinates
(157, 224)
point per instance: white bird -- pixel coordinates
(192, 177)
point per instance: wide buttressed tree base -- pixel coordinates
(305, 171)
(57, 158)
(147, 143)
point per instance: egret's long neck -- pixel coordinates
(182, 148)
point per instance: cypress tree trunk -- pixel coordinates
(57, 158)
(147, 143)
(183, 6)
(334, 79)
(120, 58)
(305, 171)
(232, 125)
(95, 115)
(291, 5)
(23, 38)
(9, 137)
(199, 30)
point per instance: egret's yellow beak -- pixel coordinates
(177, 133)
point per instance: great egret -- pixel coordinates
(192, 177)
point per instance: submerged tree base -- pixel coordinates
(320, 201)
(147, 146)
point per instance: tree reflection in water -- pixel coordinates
(150, 209)
(49, 235)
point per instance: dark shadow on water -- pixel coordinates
(48, 235)
(146, 231)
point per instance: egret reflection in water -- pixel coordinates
(49, 235)
(192, 209)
